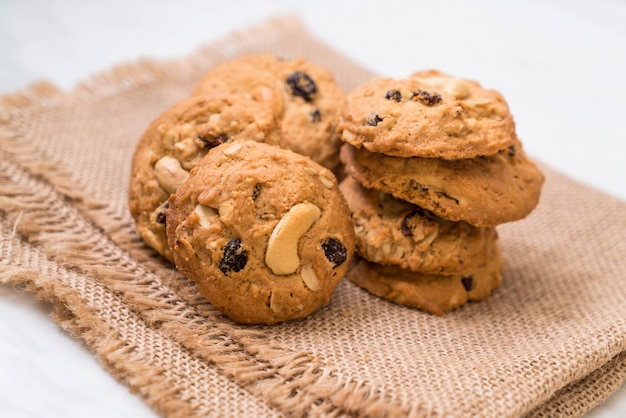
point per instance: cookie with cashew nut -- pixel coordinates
(176, 141)
(482, 191)
(391, 231)
(429, 115)
(304, 97)
(432, 293)
(263, 231)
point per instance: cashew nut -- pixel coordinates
(348, 135)
(309, 278)
(282, 248)
(328, 183)
(170, 174)
(204, 213)
(226, 211)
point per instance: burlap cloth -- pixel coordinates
(550, 342)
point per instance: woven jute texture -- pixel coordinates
(549, 342)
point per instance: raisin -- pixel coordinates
(468, 282)
(235, 258)
(429, 99)
(213, 141)
(257, 191)
(160, 218)
(334, 251)
(511, 151)
(373, 119)
(315, 116)
(405, 227)
(394, 95)
(302, 85)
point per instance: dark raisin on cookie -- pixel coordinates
(256, 191)
(373, 119)
(406, 227)
(424, 97)
(302, 85)
(334, 251)
(511, 151)
(235, 257)
(394, 95)
(468, 282)
(160, 218)
(315, 116)
(210, 141)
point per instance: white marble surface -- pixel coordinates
(560, 64)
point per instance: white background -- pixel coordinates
(560, 64)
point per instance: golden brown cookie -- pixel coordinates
(304, 98)
(482, 191)
(395, 232)
(435, 294)
(263, 231)
(176, 141)
(430, 115)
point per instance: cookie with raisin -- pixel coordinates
(304, 97)
(263, 231)
(483, 191)
(391, 231)
(432, 293)
(429, 115)
(176, 141)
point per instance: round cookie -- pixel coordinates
(482, 191)
(435, 294)
(263, 231)
(176, 141)
(395, 232)
(431, 115)
(304, 98)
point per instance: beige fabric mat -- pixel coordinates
(550, 342)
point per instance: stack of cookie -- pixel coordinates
(234, 185)
(433, 164)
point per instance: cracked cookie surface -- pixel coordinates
(263, 231)
(429, 115)
(391, 231)
(304, 98)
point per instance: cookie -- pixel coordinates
(435, 294)
(176, 141)
(391, 231)
(430, 115)
(482, 191)
(263, 231)
(304, 98)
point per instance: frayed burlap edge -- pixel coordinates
(294, 382)
(46, 207)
